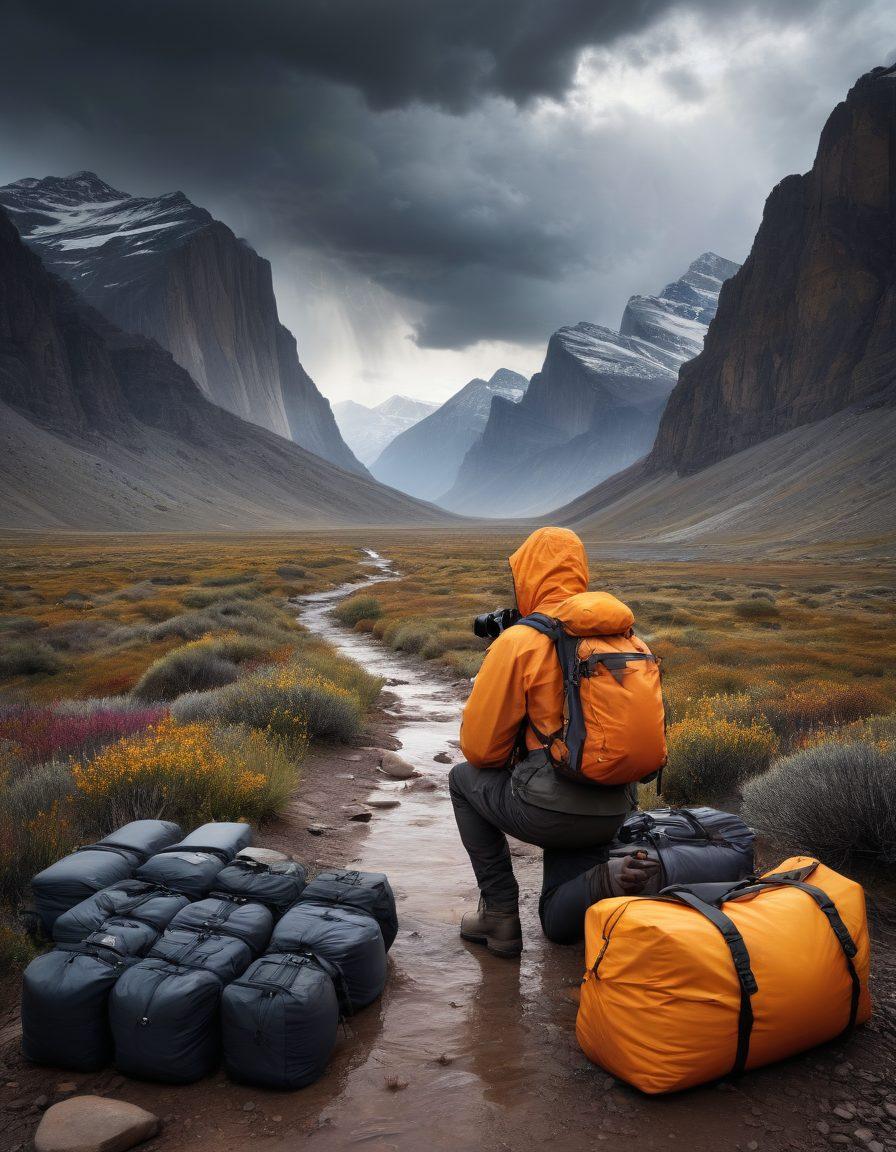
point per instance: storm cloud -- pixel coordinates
(440, 183)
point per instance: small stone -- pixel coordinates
(839, 1138)
(359, 812)
(875, 1146)
(397, 767)
(864, 1134)
(18, 1105)
(317, 829)
(753, 1145)
(65, 1086)
(262, 855)
(41, 1101)
(843, 1112)
(890, 1110)
(94, 1124)
(276, 1119)
(442, 758)
(249, 1106)
(383, 802)
(421, 784)
(823, 1127)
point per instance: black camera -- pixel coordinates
(492, 624)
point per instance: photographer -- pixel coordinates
(509, 784)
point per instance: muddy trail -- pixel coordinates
(466, 1051)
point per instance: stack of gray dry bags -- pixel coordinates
(195, 950)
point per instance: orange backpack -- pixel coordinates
(613, 717)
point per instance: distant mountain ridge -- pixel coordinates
(781, 434)
(165, 268)
(367, 431)
(424, 460)
(101, 429)
(595, 405)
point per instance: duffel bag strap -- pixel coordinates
(741, 957)
(842, 933)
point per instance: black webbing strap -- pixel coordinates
(842, 933)
(741, 958)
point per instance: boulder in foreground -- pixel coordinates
(94, 1124)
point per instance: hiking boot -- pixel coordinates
(623, 876)
(500, 932)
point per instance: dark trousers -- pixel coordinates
(487, 811)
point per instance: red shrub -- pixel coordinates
(39, 734)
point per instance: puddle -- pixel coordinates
(476, 1041)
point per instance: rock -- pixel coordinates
(753, 1145)
(843, 1112)
(94, 1124)
(421, 784)
(249, 1106)
(864, 1134)
(839, 1138)
(41, 1101)
(890, 1110)
(398, 768)
(383, 802)
(317, 829)
(442, 758)
(65, 1086)
(359, 812)
(262, 855)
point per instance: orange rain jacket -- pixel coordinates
(521, 676)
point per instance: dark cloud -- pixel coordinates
(407, 142)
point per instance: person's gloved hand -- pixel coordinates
(634, 874)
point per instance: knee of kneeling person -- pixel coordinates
(459, 776)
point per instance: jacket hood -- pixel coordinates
(594, 614)
(548, 568)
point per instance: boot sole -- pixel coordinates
(506, 949)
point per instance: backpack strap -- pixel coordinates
(572, 731)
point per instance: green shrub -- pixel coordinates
(757, 610)
(16, 949)
(38, 824)
(291, 572)
(226, 580)
(193, 668)
(709, 757)
(186, 626)
(27, 658)
(835, 800)
(350, 611)
(289, 701)
(465, 664)
(412, 637)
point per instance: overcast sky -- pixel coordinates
(439, 184)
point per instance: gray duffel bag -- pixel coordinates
(221, 837)
(371, 892)
(346, 937)
(143, 837)
(277, 885)
(165, 1022)
(693, 845)
(65, 1001)
(247, 921)
(96, 866)
(279, 1021)
(125, 901)
(224, 956)
(191, 873)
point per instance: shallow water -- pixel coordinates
(467, 1041)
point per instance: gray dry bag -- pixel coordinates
(369, 891)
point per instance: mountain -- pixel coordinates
(367, 431)
(595, 405)
(424, 460)
(808, 325)
(782, 432)
(165, 268)
(102, 429)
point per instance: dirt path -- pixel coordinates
(466, 1051)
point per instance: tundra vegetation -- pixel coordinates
(157, 677)
(167, 676)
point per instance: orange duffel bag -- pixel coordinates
(705, 981)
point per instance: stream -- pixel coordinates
(463, 1043)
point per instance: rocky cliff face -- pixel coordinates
(808, 325)
(103, 429)
(425, 459)
(595, 405)
(164, 268)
